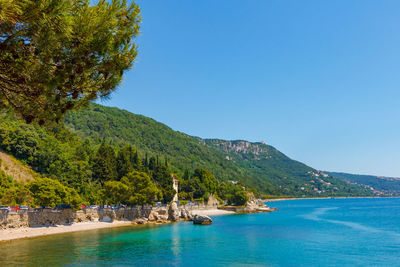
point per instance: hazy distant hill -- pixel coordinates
(258, 165)
(381, 185)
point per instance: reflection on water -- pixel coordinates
(301, 233)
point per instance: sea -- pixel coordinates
(317, 232)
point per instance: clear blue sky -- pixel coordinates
(319, 80)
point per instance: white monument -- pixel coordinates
(175, 186)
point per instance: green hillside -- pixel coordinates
(381, 185)
(257, 165)
(149, 136)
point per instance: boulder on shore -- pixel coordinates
(202, 219)
(141, 221)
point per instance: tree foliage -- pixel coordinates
(136, 188)
(128, 159)
(143, 189)
(49, 193)
(207, 179)
(115, 192)
(58, 54)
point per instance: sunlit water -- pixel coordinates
(334, 232)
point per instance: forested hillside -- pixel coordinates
(107, 155)
(121, 127)
(73, 170)
(257, 165)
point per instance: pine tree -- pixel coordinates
(59, 54)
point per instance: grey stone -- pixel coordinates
(202, 219)
(173, 212)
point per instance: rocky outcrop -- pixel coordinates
(159, 215)
(186, 215)
(202, 219)
(174, 213)
(240, 147)
(255, 205)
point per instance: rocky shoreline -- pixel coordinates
(26, 224)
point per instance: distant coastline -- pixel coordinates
(300, 198)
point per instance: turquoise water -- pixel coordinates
(334, 232)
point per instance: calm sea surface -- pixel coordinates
(331, 232)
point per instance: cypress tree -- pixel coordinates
(137, 163)
(104, 164)
(186, 175)
(152, 163)
(146, 161)
(125, 160)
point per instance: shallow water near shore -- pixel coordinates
(335, 232)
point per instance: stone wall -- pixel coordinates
(47, 217)
(14, 219)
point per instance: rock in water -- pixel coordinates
(202, 219)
